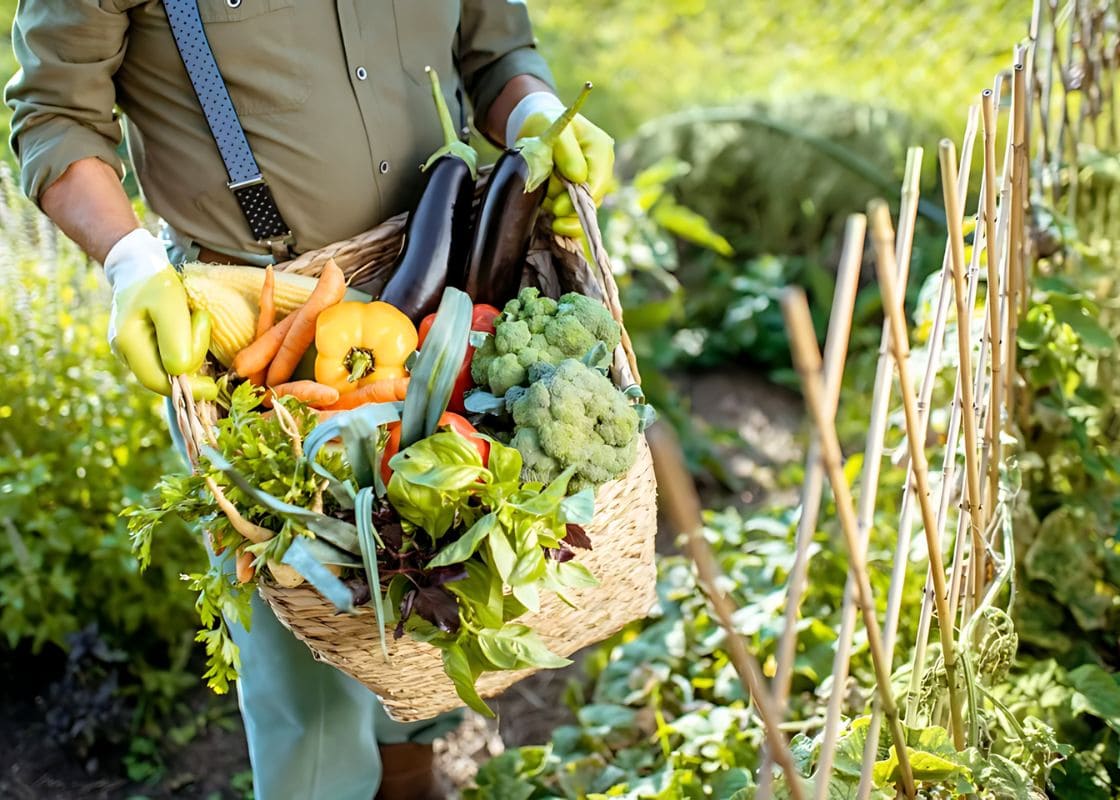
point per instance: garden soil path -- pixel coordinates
(765, 419)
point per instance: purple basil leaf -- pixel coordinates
(560, 554)
(359, 589)
(408, 602)
(392, 534)
(439, 607)
(441, 575)
(577, 537)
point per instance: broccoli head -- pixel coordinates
(532, 330)
(571, 415)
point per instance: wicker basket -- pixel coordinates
(412, 683)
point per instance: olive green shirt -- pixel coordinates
(332, 95)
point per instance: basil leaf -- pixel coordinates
(529, 650)
(300, 559)
(441, 358)
(458, 668)
(425, 507)
(548, 501)
(529, 568)
(447, 462)
(338, 532)
(501, 554)
(466, 545)
(496, 649)
(575, 575)
(482, 591)
(528, 595)
(505, 462)
(579, 509)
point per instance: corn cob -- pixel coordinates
(232, 296)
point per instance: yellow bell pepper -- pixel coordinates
(358, 343)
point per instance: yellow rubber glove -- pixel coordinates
(151, 328)
(584, 153)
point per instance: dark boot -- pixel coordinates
(408, 773)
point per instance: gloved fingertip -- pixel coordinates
(200, 339)
(569, 158)
(555, 186)
(563, 207)
(567, 226)
(203, 388)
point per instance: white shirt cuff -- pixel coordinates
(135, 256)
(530, 104)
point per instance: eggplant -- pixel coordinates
(437, 237)
(509, 212)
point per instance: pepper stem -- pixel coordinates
(537, 150)
(360, 363)
(552, 133)
(452, 145)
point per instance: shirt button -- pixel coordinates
(383, 167)
(233, 3)
(361, 73)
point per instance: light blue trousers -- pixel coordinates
(313, 731)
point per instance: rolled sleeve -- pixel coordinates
(63, 98)
(496, 45)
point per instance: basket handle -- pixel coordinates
(602, 272)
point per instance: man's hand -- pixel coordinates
(584, 153)
(151, 329)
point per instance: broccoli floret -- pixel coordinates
(532, 329)
(593, 316)
(571, 415)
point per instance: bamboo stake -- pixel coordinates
(835, 353)
(994, 428)
(807, 360)
(905, 525)
(682, 506)
(1015, 235)
(869, 482)
(964, 348)
(900, 346)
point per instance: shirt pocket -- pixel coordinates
(426, 34)
(255, 45)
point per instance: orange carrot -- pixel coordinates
(323, 414)
(317, 395)
(387, 390)
(260, 353)
(244, 566)
(266, 318)
(329, 290)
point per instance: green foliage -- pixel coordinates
(80, 440)
(647, 58)
(665, 715)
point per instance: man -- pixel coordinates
(334, 101)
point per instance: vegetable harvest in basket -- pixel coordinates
(450, 538)
(441, 477)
